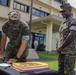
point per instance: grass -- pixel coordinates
(52, 64)
(47, 55)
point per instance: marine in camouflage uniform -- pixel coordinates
(16, 31)
(67, 50)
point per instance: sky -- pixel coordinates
(72, 3)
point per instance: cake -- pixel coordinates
(29, 66)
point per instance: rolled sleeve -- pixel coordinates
(72, 28)
(3, 34)
(25, 37)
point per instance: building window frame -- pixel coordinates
(22, 8)
(59, 1)
(4, 2)
(39, 13)
(18, 6)
(25, 7)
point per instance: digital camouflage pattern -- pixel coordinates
(67, 57)
(64, 32)
(14, 31)
(66, 64)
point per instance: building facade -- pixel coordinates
(46, 19)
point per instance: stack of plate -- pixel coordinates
(5, 65)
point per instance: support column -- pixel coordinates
(49, 36)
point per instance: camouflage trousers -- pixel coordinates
(66, 64)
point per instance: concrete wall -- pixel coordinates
(46, 1)
(56, 5)
(4, 11)
(2, 21)
(55, 38)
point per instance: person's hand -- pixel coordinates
(59, 49)
(12, 60)
(1, 56)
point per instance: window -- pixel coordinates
(18, 6)
(15, 5)
(59, 1)
(26, 9)
(33, 11)
(42, 14)
(39, 13)
(4, 2)
(46, 14)
(21, 7)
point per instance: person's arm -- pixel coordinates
(25, 39)
(22, 48)
(69, 38)
(20, 52)
(3, 43)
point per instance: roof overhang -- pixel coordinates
(48, 18)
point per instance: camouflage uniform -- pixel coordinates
(67, 57)
(15, 30)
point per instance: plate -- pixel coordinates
(5, 65)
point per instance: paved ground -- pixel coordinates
(40, 59)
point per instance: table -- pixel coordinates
(10, 71)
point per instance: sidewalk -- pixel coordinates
(40, 59)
